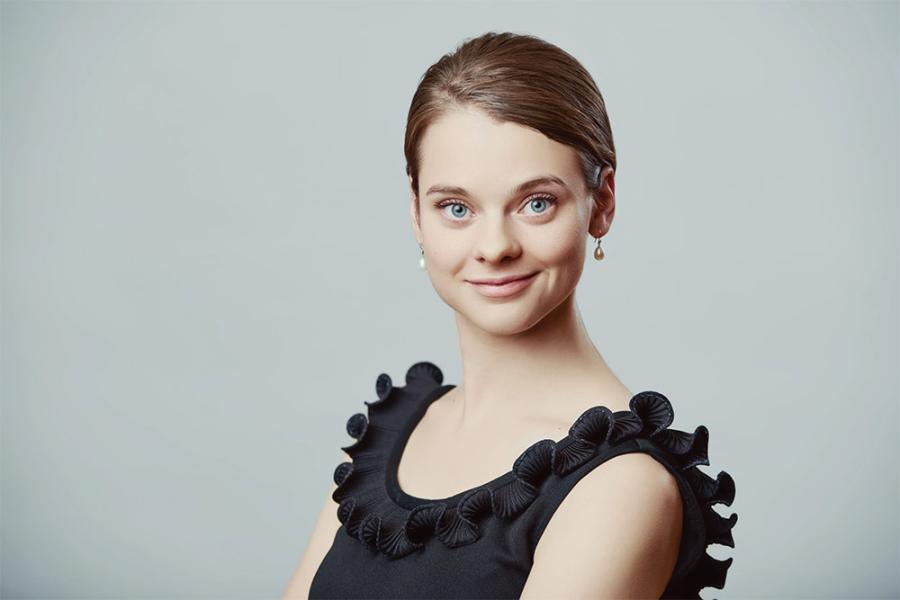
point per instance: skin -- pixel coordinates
(530, 368)
(508, 346)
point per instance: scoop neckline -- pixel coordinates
(392, 481)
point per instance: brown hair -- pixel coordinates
(522, 79)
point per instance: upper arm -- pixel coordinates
(616, 534)
(319, 543)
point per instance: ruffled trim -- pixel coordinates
(398, 532)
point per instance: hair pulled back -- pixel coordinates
(522, 79)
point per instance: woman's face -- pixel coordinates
(488, 228)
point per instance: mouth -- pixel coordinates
(504, 286)
(501, 280)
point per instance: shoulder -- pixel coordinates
(629, 501)
(616, 533)
(637, 476)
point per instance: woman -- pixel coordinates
(511, 165)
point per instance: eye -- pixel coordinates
(543, 202)
(455, 214)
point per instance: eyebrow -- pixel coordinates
(522, 187)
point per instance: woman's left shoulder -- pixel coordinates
(629, 473)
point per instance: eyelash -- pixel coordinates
(444, 203)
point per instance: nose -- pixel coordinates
(495, 241)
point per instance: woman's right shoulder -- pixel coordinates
(392, 403)
(376, 423)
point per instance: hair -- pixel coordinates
(521, 79)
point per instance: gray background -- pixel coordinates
(207, 261)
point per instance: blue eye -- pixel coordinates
(544, 201)
(456, 204)
(459, 210)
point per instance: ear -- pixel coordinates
(603, 207)
(413, 211)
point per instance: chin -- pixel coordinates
(500, 319)
(505, 330)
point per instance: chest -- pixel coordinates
(436, 463)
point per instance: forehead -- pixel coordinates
(466, 147)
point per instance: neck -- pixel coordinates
(550, 370)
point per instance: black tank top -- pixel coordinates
(480, 543)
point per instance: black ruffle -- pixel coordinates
(370, 516)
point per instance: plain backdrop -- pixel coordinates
(207, 260)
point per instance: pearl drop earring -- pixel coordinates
(422, 258)
(598, 251)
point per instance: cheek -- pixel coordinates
(446, 248)
(563, 247)
(563, 255)
(447, 254)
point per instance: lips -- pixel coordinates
(500, 280)
(507, 288)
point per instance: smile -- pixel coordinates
(503, 290)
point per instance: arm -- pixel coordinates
(320, 541)
(615, 535)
